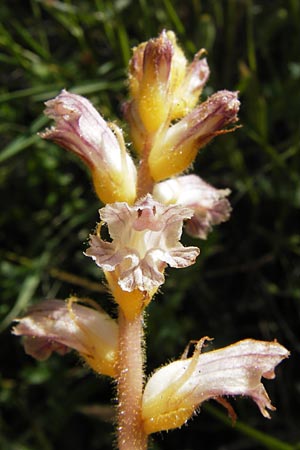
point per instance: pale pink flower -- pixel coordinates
(54, 325)
(145, 238)
(209, 204)
(80, 129)
(174, 392)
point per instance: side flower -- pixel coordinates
(175, 392)
(80, 129)
(210, 205)
(145, 239)
(175, 150)
(54, 325)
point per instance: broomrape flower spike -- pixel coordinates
(146, 207)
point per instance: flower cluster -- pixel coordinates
(146, 206)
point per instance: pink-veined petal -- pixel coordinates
(210, 205)
(53, 325)
(145, 237)
(174, 392)
(80, 129)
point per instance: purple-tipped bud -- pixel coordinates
(157, 59)
(149, 78)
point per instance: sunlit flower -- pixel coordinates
(54, 325)
(175, 150)
(145, 238)
(189, 90)
(174, 392)
(209, 204)
(163, 86)
(80, 129)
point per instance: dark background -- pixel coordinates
(246, 281)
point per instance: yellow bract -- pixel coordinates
(103, 366)
(169, 421)
(131, 303)
(113, 186)
(166, 162)
(153, 106)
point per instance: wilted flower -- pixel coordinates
(80, 129)
(174, 392)
(209, 204)
(174, 150)
(145, 238)
(54, 325)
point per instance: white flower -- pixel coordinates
(175, 391)
(145, 238)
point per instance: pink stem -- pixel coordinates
(131, 435)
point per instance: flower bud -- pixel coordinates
(149, 75)
(55, 325)
(174, 151)
(80, 129)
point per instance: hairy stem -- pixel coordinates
(130, 384)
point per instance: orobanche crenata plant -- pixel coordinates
(146, 205)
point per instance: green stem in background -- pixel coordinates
(130, 384)
(263, 438)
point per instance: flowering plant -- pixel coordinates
(146, 206)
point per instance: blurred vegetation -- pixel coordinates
(246, 282)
